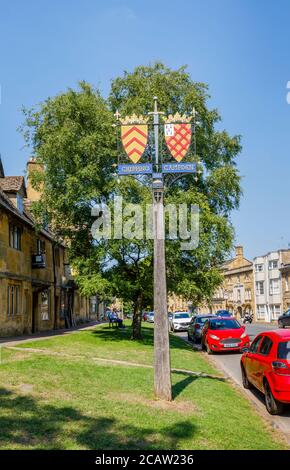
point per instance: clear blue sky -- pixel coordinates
(241, 48)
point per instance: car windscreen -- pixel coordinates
(284, 350)
(201, 319)
(224, 324)
(177, 316)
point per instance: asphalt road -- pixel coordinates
(230, 364)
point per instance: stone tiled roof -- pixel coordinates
(12, 183)
(8, 205)
(25, 217)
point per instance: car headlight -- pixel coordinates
(214, 337)
(243, 335)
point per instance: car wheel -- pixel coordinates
(273, 406)
(246, 383)
(281, 324)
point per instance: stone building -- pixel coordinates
(271, 284)
(237, 291)
(176, 303)
(285, 278)
(37, 291)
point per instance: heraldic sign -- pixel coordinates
(134, 137)
(177, 132)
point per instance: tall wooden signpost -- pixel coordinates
(134, 136)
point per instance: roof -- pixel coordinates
(25, 217)
(12, 183)
(281, 333)
(280, 250)
(8, 205)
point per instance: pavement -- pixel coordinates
(14, 340)
(229, 363)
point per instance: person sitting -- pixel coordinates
(112, 319)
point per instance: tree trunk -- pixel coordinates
(137, 319)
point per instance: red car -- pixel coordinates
(224, 334)
(266, 365)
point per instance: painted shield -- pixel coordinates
(134, 140)
(178, 138)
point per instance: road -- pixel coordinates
(230, 364)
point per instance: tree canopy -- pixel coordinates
(72, 134)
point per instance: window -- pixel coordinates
(13, 300)
(275, 311)
(224, 324)
(274, 286)
(239, 295)
(284, 350)
(15, 237)
(40, 246)
(266, 346)
(287, 282)
(19, 202)
(255, 344)
(248, 294)
(260, 287)
(26, 302)
(273, 264)
(259, 268)
(261, 312)
(45, 305)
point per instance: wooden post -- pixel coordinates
(162, 375)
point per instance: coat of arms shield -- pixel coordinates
(178, 134)
(134, 136)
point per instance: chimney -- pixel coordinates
(2, 174)
(239, 252)
(32, 167)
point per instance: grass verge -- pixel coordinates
(69, 400)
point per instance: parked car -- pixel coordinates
(266, 366)
(195, 328)
(170, 316)
(224, 334)
(223, 313)
(284, 319)
(179, 321)
(150, 317)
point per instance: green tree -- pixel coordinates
(193, 274)
(72, 135)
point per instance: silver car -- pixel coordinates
(150, 317)
(180, 321)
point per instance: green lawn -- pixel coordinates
(71, 401)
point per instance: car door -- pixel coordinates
(191, 327)
(252, 358)
(204, 331)
(262, 362)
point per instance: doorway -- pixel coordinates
(34, 312)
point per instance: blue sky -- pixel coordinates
(241, 48)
